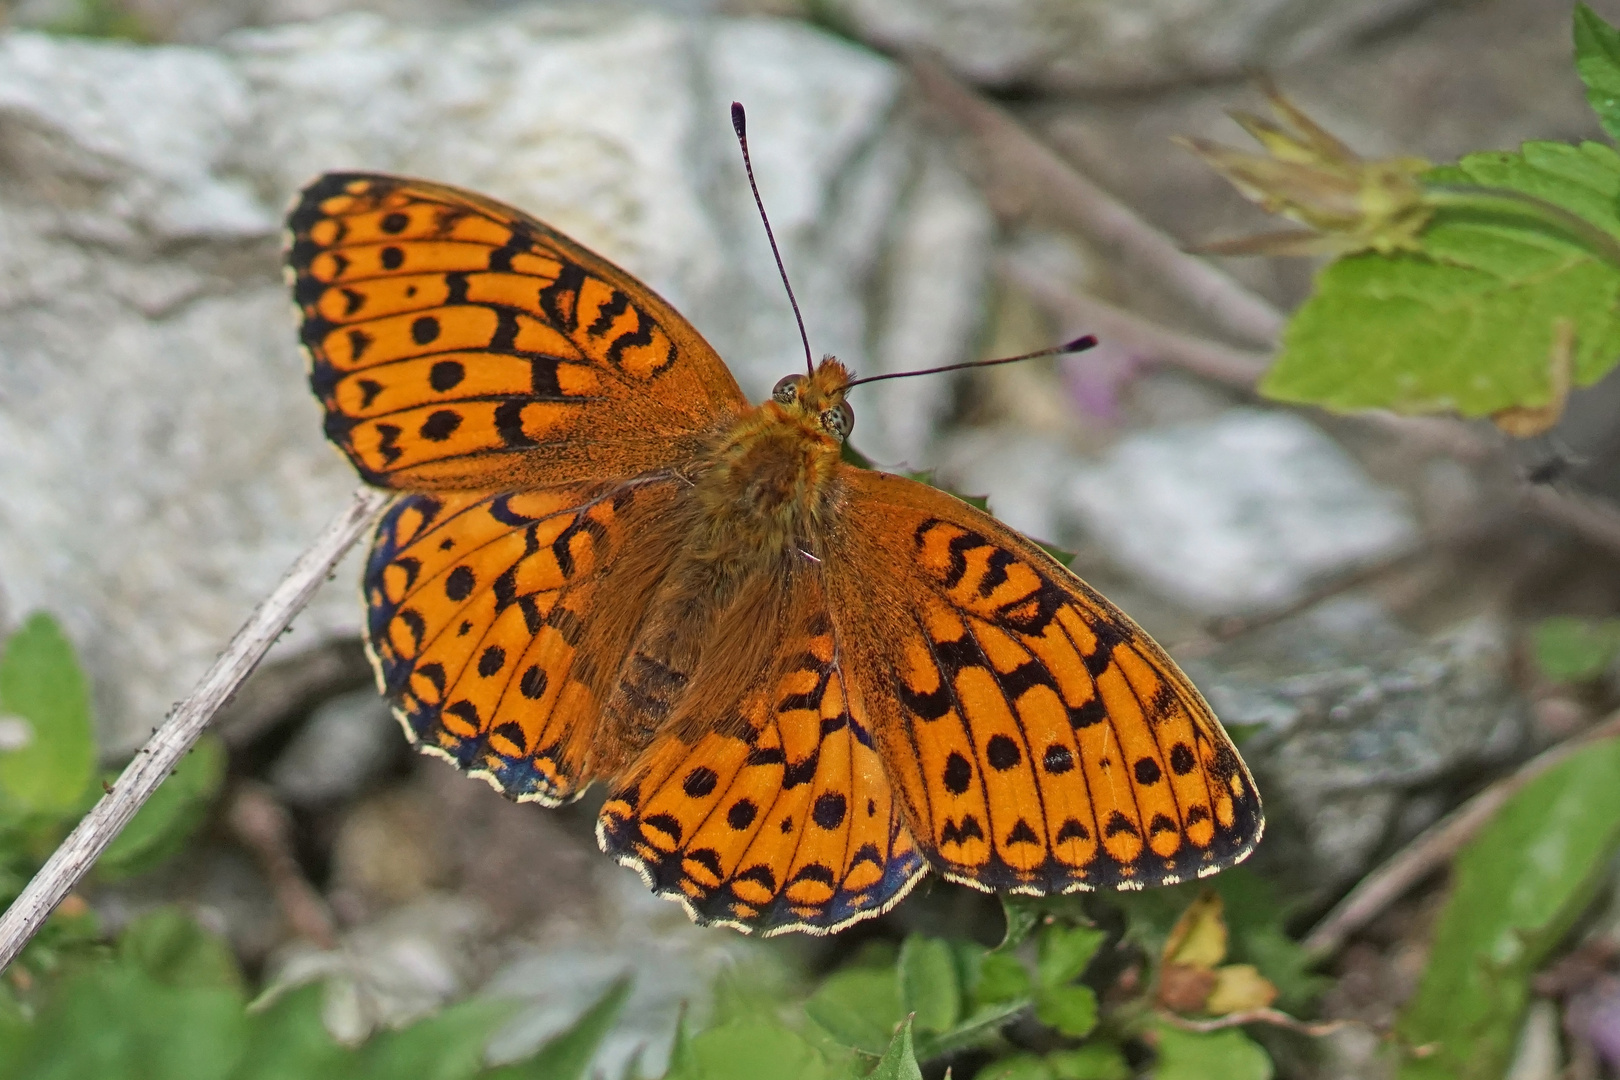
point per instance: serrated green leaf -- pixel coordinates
(899, 1062)
(161, 827)
(1467, 323)
(1070, 1009)
(1188, 1055)
(1062, 952)
(858, 1008)
(42, 685)
(1002, 977)
(169, 946)
(753, 1048)
(568, 1055)
(980, 1029)
(1094, 1061)
(928, 983)
(1516, 890)
(1574, 650)
(1597, 60)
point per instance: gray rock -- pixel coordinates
(345, 742)
(1242, 513)
(1103, 44)
(672, 964)
(1343, 713)
(162, 455)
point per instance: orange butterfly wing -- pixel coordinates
(480, 617)
(1039, 740)
(783, 820)
(459, 343)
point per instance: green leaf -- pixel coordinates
(114, 1020)
(568, 1055)
(1021, 913)
(1228, 1054)
(1516, 890)
(1064, 951)
(753, 1048)
(161, 827)
(980, 1029)
(1467, 323)
(169, 946)
(1574, 650)
(1070, 1009)
(1597, 60)
(288, 1041)
(447, 1046)
(1002, 977)
(1017, 1067)
(41, 684)
(859, 1008)
(928, 983)
(1094, 1061)
(899, 1062)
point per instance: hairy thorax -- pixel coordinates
(760, 505)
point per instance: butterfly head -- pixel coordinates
(817, 400)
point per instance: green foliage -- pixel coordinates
(1517, 888)
(161, 827)
(1597, 60)
(1574, 650)
(744, 1049)
(41, 685)
(46, 784)
(170, 1002)
(898, 1061)
(1467, 322)
(1228, 1054)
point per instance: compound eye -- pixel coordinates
(786, 389)
(839, 421)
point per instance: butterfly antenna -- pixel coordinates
(1079, 344)
(739, 124)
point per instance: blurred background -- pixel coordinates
(1361, 600)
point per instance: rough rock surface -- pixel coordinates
(1343, 713)
(1104, 44)
(162, 457)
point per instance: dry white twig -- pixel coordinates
(157, 759)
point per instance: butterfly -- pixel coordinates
(805, 684)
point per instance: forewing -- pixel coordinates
(779, 818)
(490, 619)
(1041, 742)
(450, 338)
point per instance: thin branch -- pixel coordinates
(157, 759)
(259, 820)
(1436, 846)
(1012, 150)
(1591, 518)
(1274, 1017)
(1222, 363)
